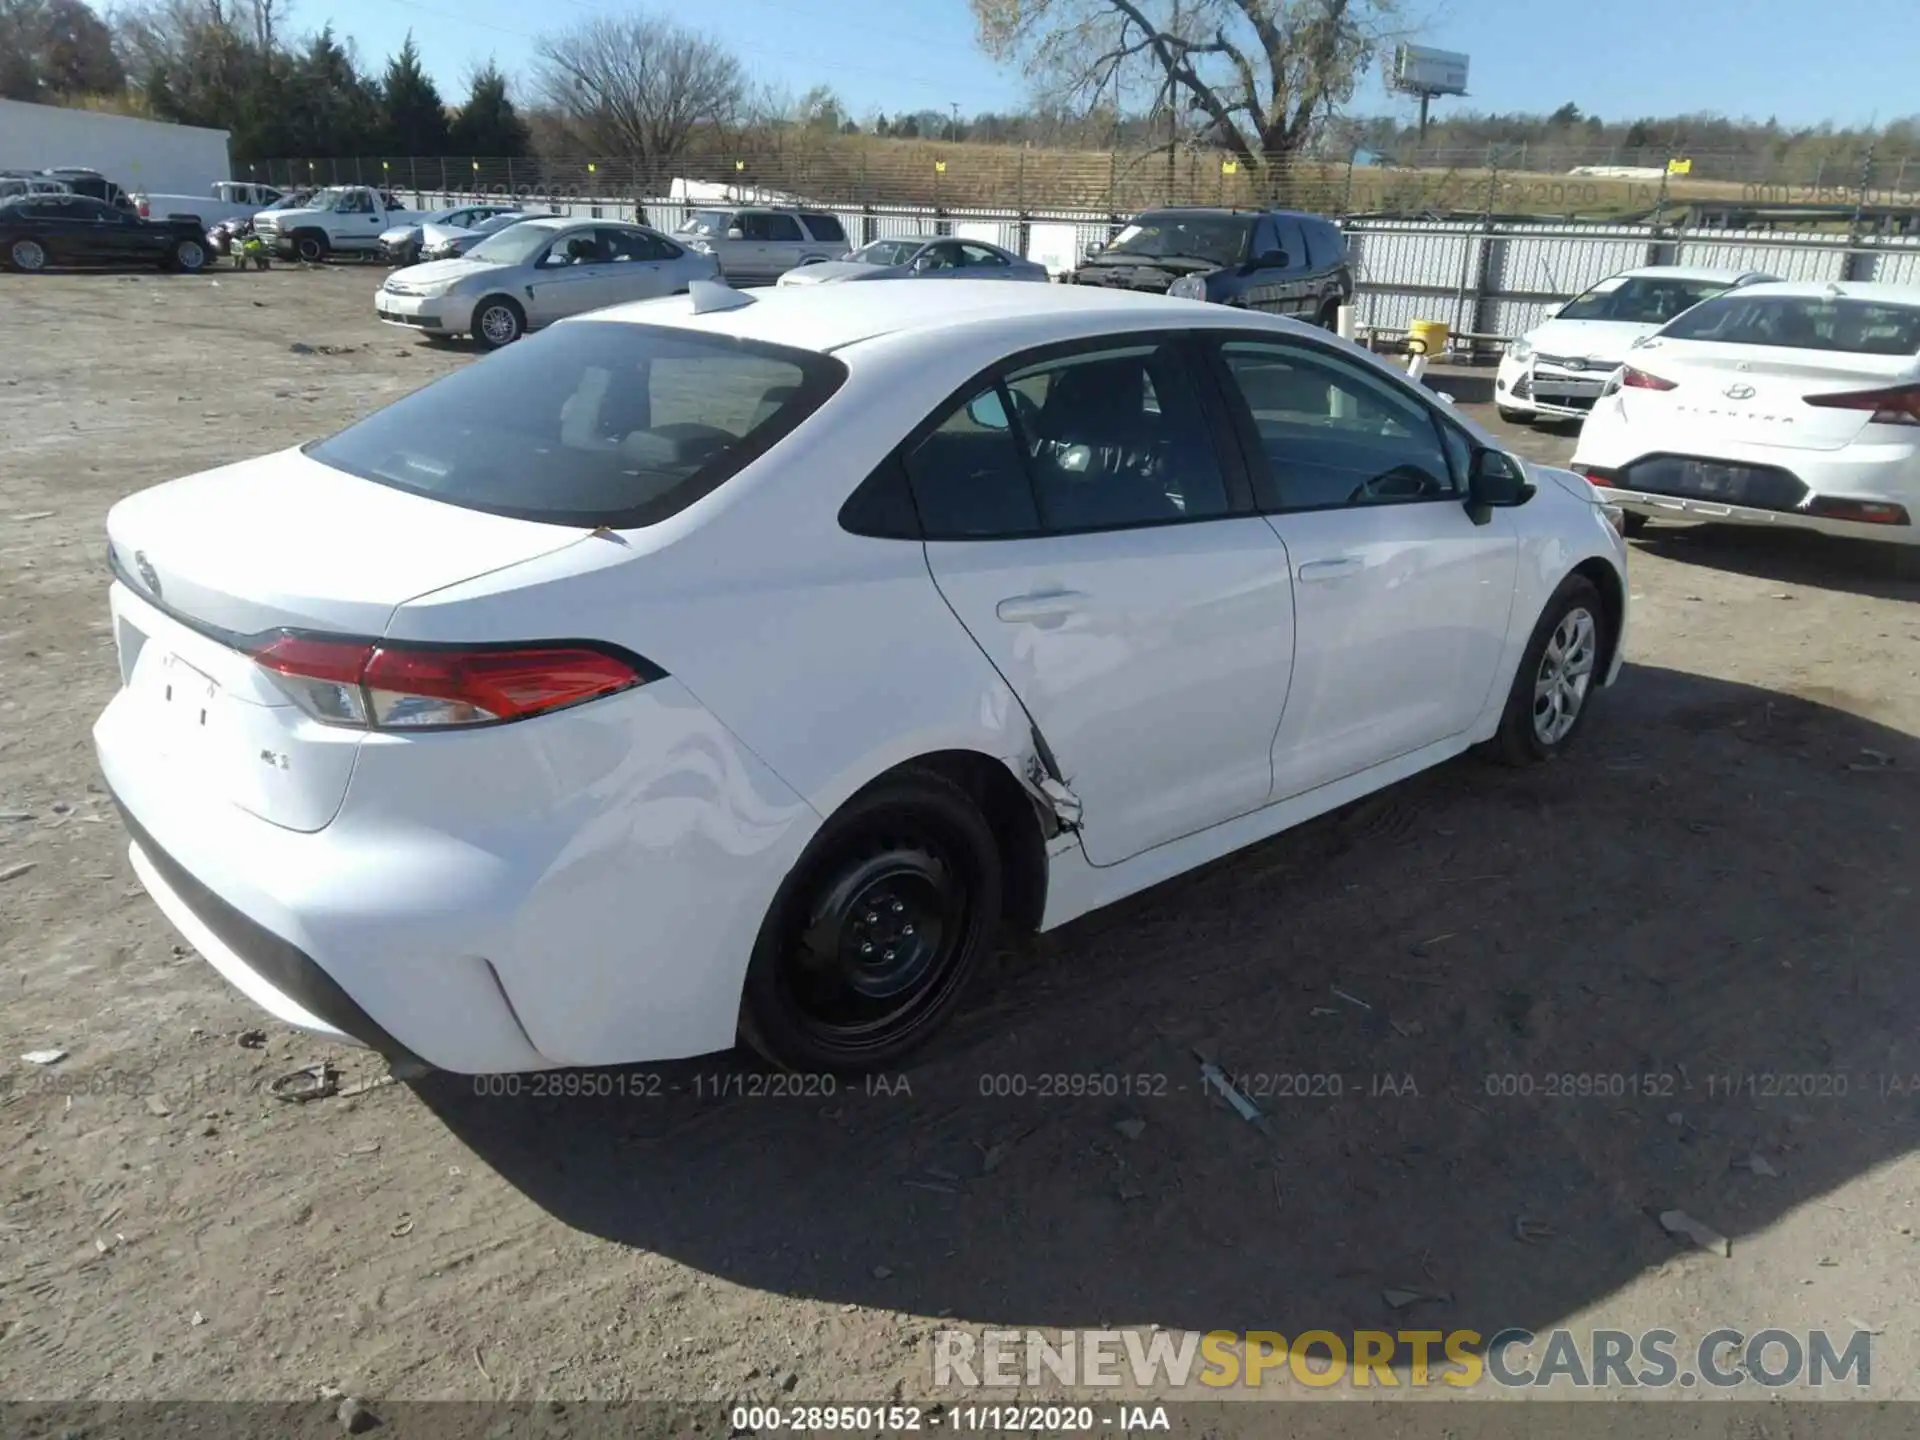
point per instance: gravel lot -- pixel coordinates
(1717, 888)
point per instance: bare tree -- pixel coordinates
(638, 87)
(1253, 76)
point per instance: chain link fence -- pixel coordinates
(1802, 190)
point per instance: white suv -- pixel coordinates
(759, 244)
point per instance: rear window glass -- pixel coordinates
(591, 423)
(1804, 322)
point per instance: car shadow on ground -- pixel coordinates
(1793, 557)
(1579, 995)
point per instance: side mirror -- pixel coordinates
(987, 412)
(1094, 247)
(1495, 480)
(736, 233)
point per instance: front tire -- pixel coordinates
(498, 321)
(1553, 688)
(1512, 416)
(873, 936)
(27, 255)
(1329, 317)
(189, 257)
(311, 246)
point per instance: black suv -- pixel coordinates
(1279, 261)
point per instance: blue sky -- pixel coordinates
(1621, 58)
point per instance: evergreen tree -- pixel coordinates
(415, 119)
(488, 125)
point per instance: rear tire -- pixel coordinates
(189, 257)
(1559, 672)
(497, 321)
(1329, 316)
(27, 255)
(873, 936)
(1633, 523)
(1513, 417)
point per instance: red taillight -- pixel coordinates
(1865, 512)
(1893, 405)
(143, 210)
(402, 687)
(1632, 379)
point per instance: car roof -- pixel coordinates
(832, 317)
(1233, 211)
(1686, 272)
(1839, 290)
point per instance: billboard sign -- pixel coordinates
(1430, 72)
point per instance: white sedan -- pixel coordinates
(1557, 370)
(730, 666)
(534, 273)
(1794, 405)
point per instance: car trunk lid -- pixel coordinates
(1757, 394)
(213, 563)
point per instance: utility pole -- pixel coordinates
(954, 133)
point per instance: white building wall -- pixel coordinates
(136, 154)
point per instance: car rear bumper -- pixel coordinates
(580, 889)
(1822, 487)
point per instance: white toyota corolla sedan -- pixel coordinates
(1790, 405)
(735, 666)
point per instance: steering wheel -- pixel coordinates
(1403, 482)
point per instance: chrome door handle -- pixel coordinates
(1329, 569)
(1040, 607)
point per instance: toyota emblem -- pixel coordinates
(147, 572)
(1738, 392)
(1576, 364)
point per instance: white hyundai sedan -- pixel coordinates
(728, 666)
(1792, 405)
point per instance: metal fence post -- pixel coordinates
(1346, 200)
(1856, 265)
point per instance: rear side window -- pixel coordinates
(592, 423)
(825, 227)
(1803, 322)
(770, 227)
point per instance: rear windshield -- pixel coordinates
(591, 423)
(1642, 300)
(1804, 322)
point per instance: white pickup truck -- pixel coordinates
(225, 200)
(346, 218)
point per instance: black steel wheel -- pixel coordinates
(875, 933)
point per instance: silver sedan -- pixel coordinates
(920, 257)
(535, 272)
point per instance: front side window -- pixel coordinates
(630, 245)
(1292, 241)
(709, 224)
(1804, 322)
(1334, 435)
(357, 203)
(578, 247)
(591, 423)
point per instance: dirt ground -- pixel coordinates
(1716, 890)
